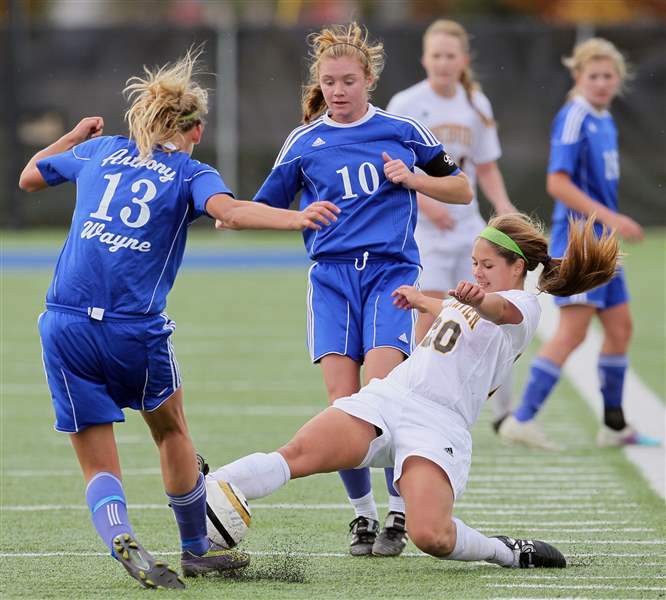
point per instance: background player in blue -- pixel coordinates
(583, 175)
(106, 340)
(362, 159)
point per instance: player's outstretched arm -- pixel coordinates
(453, 189)
(560, 187)
(242, 214)
(31, 179)
(408, 297)
(491, 307)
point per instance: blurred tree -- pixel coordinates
(595, 12)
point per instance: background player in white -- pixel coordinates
(363, 159)
(106, 340)
(418, 418)
(583, 177)
(450, 102)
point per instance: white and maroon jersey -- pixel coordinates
(463, 358)
(458, 125)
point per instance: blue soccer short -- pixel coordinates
(606, 296)
(351, 311)
(96, 368)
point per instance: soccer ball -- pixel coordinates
(227, 513)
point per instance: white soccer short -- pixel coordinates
(411, 426)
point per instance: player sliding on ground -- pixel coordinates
(418, 418)
(105, 336)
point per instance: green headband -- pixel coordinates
(501, 239)
(189, 116)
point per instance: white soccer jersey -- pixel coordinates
(456, 124)
(464, 357)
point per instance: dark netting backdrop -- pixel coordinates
(52, 77)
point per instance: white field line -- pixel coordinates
(304, 555)
(488, 508)
(642, 408)
(633, 588)
(602, 542)
(567, 576)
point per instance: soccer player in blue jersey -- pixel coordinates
(362, 159)
(105, 336)
(583, 175)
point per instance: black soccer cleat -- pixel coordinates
(364, 533)
(202, 464)
(392, 539)
(530, 554)
(141, 565)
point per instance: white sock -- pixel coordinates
(396, 504)
(365, 506)
(473, 545)
(257, 475)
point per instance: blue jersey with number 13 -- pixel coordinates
(129, 225)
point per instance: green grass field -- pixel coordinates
(248, 386)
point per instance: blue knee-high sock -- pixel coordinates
(190, 512)
(544, 374)
(395, 501)
(388, 473)
(357, 482)
(108, 507)
(612, 368)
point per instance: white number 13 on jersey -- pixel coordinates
(363, 171)
(126, 212)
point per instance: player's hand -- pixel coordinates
(408, 297)
(87, 128)
(317, 214)
(468, 293)
(627, 228)
(396, 171)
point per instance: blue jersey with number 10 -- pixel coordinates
(129, 225)
(343, 163)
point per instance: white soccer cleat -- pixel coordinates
(526, 433)
(610, 438)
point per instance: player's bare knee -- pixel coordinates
(435, 539)
(618, 336)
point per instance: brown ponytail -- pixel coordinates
(588, 261)
(334, 42)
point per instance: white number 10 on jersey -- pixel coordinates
(364, 170)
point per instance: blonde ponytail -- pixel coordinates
(164, 103)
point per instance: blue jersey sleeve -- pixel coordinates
(283, 182)
(66, 166)
(427, 148)
(566, 140)
(204, 182)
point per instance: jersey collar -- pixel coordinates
(366, 117)
(597, 113)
